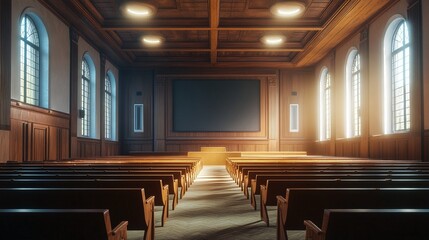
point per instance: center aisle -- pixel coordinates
(214, 208)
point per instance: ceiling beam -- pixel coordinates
(214, 24)
(196, 28)
(211, 50)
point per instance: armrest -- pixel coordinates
(312, 231)
(150, 200)
(281, 200)
(120, 231)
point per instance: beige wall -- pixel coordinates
(59, 52)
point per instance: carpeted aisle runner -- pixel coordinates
(214, 208)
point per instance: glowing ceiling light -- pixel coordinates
(152, 40)
(287, 9)
(273, 40)
(139, 9)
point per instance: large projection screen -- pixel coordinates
(216, 105)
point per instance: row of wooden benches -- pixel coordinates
(128, 189)
(302, 190)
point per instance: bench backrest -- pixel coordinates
(123, 203)
(67, 224)
(309, 203)
(277, 187)
(375, 224)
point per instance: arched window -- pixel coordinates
(34, 61)
(353, 95)
(108, 107)
(85, 112)
(325, 105)
(397, 77)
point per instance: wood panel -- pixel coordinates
(110, 148)
(4, 146)
(39, 143)
(88, 148)
(350, 147)
(297, 145)
(394, 146)
(38, 134)
(230, 145)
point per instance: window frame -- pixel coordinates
(389, 103)
(85, 99)
(25, 43)
(325, 105)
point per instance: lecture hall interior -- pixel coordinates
(214, 119)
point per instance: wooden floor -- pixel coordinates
(215, 208)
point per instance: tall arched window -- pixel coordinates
(401, 78)
(85, 112)
(108, 108)
(34, 61)
(30, 62)
(397, 77)
(325, 105)
(353, 95)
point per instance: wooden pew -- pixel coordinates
(262, 178)
(65, 224)
(250, 173)
(180, 173)
(370, 224)
(84, 183)
(128, 204)
(276, 187)
(300, 204)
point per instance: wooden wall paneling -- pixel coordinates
(348, 147)
(415, 25)
(394, 146)
(54, 144)
(64, 144)
(18, 140)
(273, 114)
(4, 145)
(296, 87)
(39, 142)
(35, 133)
(137, 88)
(88, 148)
(5, 64)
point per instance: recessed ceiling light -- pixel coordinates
(287, 9)
(152, 40)
(139, 9)
(273, 40)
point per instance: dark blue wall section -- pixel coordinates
(216, 105)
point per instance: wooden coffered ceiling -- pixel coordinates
(226, 33)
